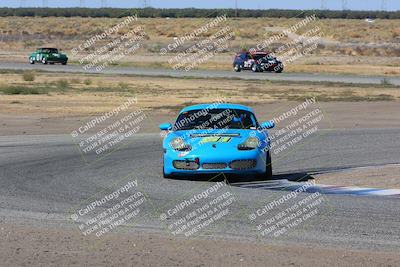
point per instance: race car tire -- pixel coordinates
(267, 175)
(255, 68)
(31, 61)
(268, 172)
(237, 68)
(166, 176)
(44, 61)
(51, 63)
(279, 70)
(64, 63)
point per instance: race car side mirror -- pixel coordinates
(267, 125)
(165, 126)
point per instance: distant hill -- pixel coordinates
(194, 13)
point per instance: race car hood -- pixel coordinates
(201, 141)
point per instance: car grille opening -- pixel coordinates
(214, 166)
(185, 165)
(242, 164)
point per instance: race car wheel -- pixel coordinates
(44, 61)
(278, 70)
(166, 176)
(268, 171)
(255, 68)
(31, 61)
(64, 63)
(237, 68)
(267, 175)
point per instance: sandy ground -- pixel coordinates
(23, 245)
(387, 176)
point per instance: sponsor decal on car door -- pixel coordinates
(248, 63)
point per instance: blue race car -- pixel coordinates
(217, 138)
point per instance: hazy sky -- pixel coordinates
(262, 4)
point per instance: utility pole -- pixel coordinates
(103, 3)
(81, 3)
(324, 5)
(236, 8)
(22, 3)
(44, 3)
(145, 3)
(344, 4)
(384, 5)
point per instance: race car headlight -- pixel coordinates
(249, 144)
(179, 144)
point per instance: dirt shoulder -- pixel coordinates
(339, 115)
(384, 177)
(54, 103)
(24, 245)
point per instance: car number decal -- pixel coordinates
(224, 139)
(209, 139)
(214, 139)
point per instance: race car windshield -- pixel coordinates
(215, 119)
(50, 50)
(257, 57)
(263, 57)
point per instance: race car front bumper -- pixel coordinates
(242, 162)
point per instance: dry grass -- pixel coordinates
(160, 28)
(27, 32)
(104, 92)
(360, 69)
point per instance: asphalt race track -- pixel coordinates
(304, 77)
(43, 177)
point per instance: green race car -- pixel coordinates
(48, 55)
